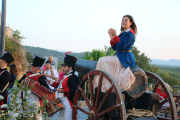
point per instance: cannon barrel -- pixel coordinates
(85, 66)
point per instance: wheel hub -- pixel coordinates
(91, 115)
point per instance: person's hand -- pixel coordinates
(111, 40)
(112, 33)
(111, 37)
(161, 97)
(27, 80)
(22, 81)
(49, 81)
(47, 75)
(60, 90)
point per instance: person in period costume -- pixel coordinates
(118, 66)
(5, 60)
(66, 87)
(36, 76)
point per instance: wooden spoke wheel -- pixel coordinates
(160, 81)
(94, 105)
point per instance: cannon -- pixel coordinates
(115, 104)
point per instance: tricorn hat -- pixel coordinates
(69, 60)
(7, 57)
(38, 61)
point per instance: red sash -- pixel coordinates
(35, 78)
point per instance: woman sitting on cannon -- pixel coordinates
(118, 66)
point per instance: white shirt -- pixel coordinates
(49, 78)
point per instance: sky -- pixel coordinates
(82, 25)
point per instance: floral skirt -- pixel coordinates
(123, 77)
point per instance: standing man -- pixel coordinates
(36, 76)
(66, 87)
(5, 60)
(49, 75)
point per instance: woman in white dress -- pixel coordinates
(118, 66)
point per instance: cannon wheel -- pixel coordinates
(94, 107)
(160, 81)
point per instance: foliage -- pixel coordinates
(109, 51)
(17, 35)
(94, 55)
(29, 57)
(8, 43)
(21, 110)
(59, 64)
(171, 75)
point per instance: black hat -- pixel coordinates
(38, 61)
(69, 60)
(7, 57)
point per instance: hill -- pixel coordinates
(48, 52)
(171, 62)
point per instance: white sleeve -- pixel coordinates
(51, 82)
(56, 73)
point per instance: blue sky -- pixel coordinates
(82, 25)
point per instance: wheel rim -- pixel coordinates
(95, 108)
(160, 81)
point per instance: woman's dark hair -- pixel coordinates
(13, 69)
(133, 25)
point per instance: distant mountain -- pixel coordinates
(171, 62)
(48, 52)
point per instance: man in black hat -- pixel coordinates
(5, 60)
(36, 76)
(66, 87)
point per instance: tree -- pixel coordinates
(94, 55)
(17, 35)
(109, 51)
(29, 57)
(7, 43)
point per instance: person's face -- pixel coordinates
(66, 69)
(162, 90)
(35, 69)
(126, 23)
(2, 63)
(51, 59)
(48, 65)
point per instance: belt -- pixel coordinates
(123, 51)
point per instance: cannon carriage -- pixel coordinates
(115, 104)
